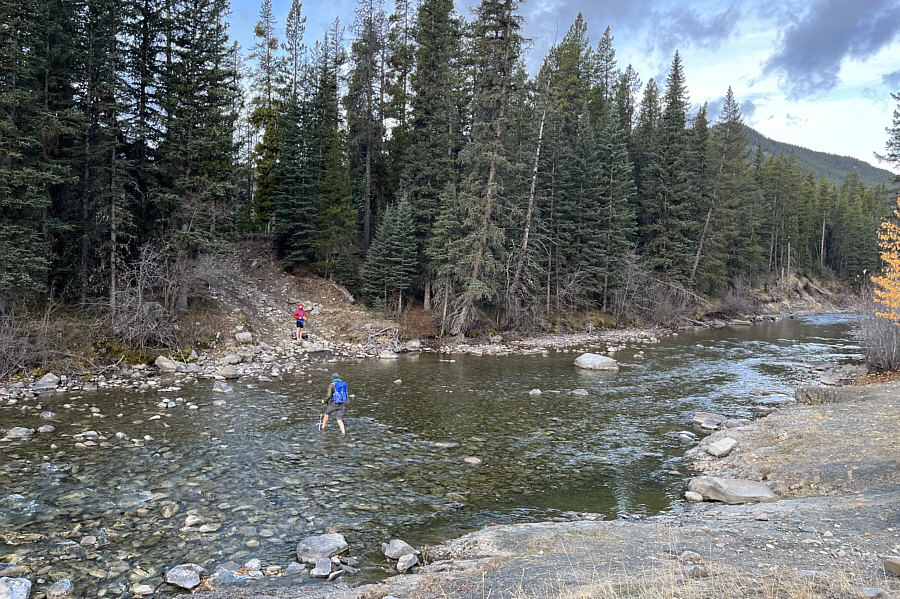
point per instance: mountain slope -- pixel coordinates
(832, 166)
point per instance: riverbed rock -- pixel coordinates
(186, 576)
(406, 562)
(388, 355)
(720, 448)
(596, 362)
(141, 590)
(475, 461)
(47, 382)
(166, 364)
(230, 359)
(413, 345)
(60, 588)
(579, 392)
(220, 387)
(19, 432)
(295, 569)
(47, 415)
(15, 588)
(874, 593)
(322, 569)
(244, 337)
(397, 548)
(709, 420)
(693, 496)
(230, 372)
(230, 573)
(891, 563)
(731, 490)
(535, 392)
(312, 548)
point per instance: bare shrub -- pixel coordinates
(151, 294)
(738, 299)
(880, 337)
(25, 342)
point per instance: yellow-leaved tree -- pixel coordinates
(887, 285)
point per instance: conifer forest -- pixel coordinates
(409, 156)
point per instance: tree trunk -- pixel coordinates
(523, 247)
(367, 218)
(427, 302)
(822, 245)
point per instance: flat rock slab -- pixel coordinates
(397, 548)
(721, 448)
(731, 490)
(709, 420)
(596, 362)
(312, 548)
(186, 576)
(15, 588)
(322, 569)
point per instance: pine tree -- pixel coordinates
(363, 103)
(391, 260)
(724, 244)
(294, 47)
(496, 47)
(668, 229)
(264, 113)
(26, 143)
(435, 124)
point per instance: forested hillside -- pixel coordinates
(412, 158)
(832, 166)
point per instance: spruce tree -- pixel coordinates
(496, 47)
(668, 229)
(435, 125)
(264, 111)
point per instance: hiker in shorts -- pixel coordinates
(334, 402)
(300, 317)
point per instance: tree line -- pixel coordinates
(412, 158)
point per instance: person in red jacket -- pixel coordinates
(300, 317)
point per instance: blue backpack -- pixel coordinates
(340, 392)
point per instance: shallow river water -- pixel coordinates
(258, 472)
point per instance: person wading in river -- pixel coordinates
(335, 401)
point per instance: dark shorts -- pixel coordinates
(300, 324)
(335, 408)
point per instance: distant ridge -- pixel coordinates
(832, 166)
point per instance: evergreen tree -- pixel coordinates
(264, 113)
(668, 229)
(496, 47)
(391, 259)
(294, 47)
(435, 122)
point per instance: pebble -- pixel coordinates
(472, 460)
(693, 496)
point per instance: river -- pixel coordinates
(261, 476)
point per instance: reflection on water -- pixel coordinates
(261, 476)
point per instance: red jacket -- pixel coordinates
(300, 314)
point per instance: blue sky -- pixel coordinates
(813, 73)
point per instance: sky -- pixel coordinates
(812, 73)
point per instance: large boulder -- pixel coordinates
(186, 576)
(166, 364)
(397, 549)
(731, 490)
(413, 345)
(596, 362)
(15, 588)
(311, 548)
(244, 337)
(47, 382)
(388, 355)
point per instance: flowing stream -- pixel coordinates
(261, 476)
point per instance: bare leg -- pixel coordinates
(325, 421)
(299, 335)
(341, 426)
